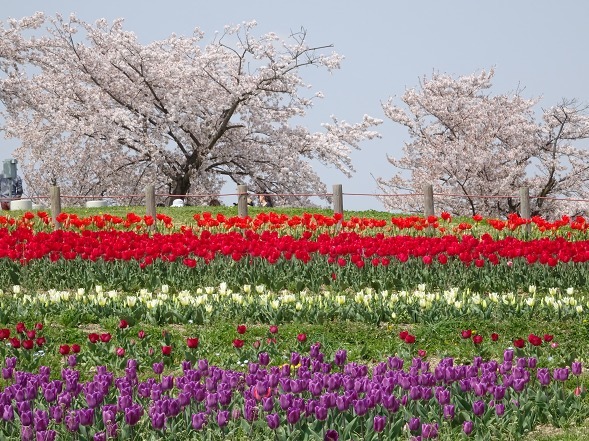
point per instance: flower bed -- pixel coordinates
(312, 395)
(102, 363)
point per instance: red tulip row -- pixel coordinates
(24, 245)
(307, 221)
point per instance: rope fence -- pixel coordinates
(242, 195)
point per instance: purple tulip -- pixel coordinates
(316, 387)
(99, 436)
(158, 420)
(331, 435)
(577, 368)
(203, 366)
(360, 407)
(222, 418)
(109, 414)
(285, 401)
(124, 401)
(532, 362)
(264, 358)
(321, 413)
(26, 418)
(56, 413)
(449, 411)
(467, 427)
(273, 420)
(27, 433)
(443, 395)
(64, 399)
(379, 423)
(478, 407)
(8, 412)
(340, 357)
(7, 373)
(72, 360)
(414, 424)
(250, 411)
(158, 368)
(199, 420)
(167, 382)
(86, 417)
(499, 392)
(133, 414)
(507, 357)
(499, 409)
(295, 358)
(112, 431)
(41, 420)
(293, 416)
(315, 350)
(561, 374)
(46, 435)
(268, 404)
(415, 393)
(429, 430)
(72, 421)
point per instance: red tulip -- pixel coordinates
(28, 344)
(76, 348)
(105, 338)
(534, 340)
(302, 338)
(4, 333)
(548, 338)
(467, 333)
(120, 352)
(141, 334)
(167, 350)
(519, 343)
(410, 339)
(477, 339)
(237, 343)
(15, 342)
(241, 329)
(93, 337)
(20, 327)
(40, 341)
(39, 326)
(190, 263)
(64, 349)
(123, 324)
(273, 329)
(494, 336)
(403, 335)
(31, 334)
(192, 343)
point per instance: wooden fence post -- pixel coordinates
(150, 209)
(242, 200)
(338, 199)
(524, 207)
(428, 200)
(55, 198)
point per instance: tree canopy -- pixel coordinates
(99, 113)
(466, 142)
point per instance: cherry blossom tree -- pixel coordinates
(99, 113)
(468, 143)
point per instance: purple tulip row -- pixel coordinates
(306, 391)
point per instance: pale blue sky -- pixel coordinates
(539, 45)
